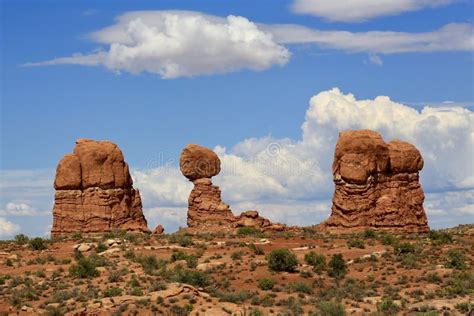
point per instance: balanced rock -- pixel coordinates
(206, 210)
(377, 184)
(94, 192)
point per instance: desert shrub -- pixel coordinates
(328, 308)
(248, 231)
(84, 268)
(237, 255)
(317, 261)
(149, 263)
(37, 243)
(282, 260)
(464, 307)
(255, 312)
(191, 261)
(440, 237)
(460, 283)
(388, 239)
(21, 239)
(181, 310)
(369, 233)
(233, 297)
(76, 235)
(455, 259)
(337, 266)
(301, 287)
(180, 239)
(181, 275)
(356, 243)
(387, 306)
(112, 291)
(266, 284)
(405, 248)
(101, 247)
(178, 255)
(256, 249)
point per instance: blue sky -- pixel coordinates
(47, 102)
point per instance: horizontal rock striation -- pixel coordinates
(376, 185)
(94, 192)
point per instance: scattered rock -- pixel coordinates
(377, 185)
(94, 192)
(209, 265)
(83, 247)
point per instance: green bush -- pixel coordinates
(388, 239)
(301, 287)
(356, 243)
(440, 237)
(38, 243)
(387, 306)
(112, 291)
(236, 255)
(256, 249)
(369, 233)
(101, 247)
(405, 248)
(180, 239)
(282, 260)
(328, 308)
(317, 261)
(21, 239)
(337, 266)
(248, 231)
(149, 263)
(195, 278)
(84, 268)
(191, 261)
(455, 260)
(266, 284)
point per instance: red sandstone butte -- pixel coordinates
(94, 192)
(377, 185)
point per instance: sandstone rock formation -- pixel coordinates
(377, 184)
(206, 210)
(94, 192)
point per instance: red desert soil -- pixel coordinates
(230, 274)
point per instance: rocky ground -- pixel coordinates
(249, 273)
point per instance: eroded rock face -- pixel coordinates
(94, 192)
(377, 184)
(206, 210)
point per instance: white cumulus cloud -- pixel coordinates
(290, 180)
(176, 44)
(450, 37)
(181, 44)
(7, 228)
(360, 10)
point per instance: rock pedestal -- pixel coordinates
(377, 185)
(206, 210)
(94, 192)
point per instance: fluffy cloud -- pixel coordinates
(360, 10)
(176, 44)
(20, 209)
(181, 44)
(7, 228)
(451, 37)
(291, 180)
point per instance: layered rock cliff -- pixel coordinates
(94, 192)
(376, 185)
